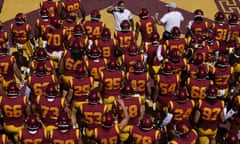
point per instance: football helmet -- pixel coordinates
(174, 55)
(20, 18)
(198, 13)
(146, 123)
(201, 72)
(41, 69)
(80, 70)
(112, 64)
(125, 25)
(210, 36)
(182, 128)
(167, 68)
(95, 15)
(33, 122)
(63, 121)
(231, 138)
(51, 90)
(106, 34)
(107, 120)
(182, 95)
(93, 97)
(71, 16)
(133, 49)
(56, 22)
(127, 90)
(198, 41)
(143, 13)
(139, 67)
(76, 46)
(41, 54)
(212, 92)
(223, 61)
(175, 32)
(12, 90)
(198, 58)
(44, 13)
(219, 17)
(78, 30)
(155, 38)
(95, 52)
(233, 18)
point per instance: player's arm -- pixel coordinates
(196, 116)
(83, 12)
(124, 121)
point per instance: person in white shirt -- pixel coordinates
(120, 13)
(172, 18)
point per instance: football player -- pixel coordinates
(146, 26)
(210, 111)
(32, 133)
(4, 37)
(53, 7)
(125, 37)
(64, 132)
(14, 108)
(69, 23)
(21, 35)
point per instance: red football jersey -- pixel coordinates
(71, 6)
(3, 37)
(41, 26)
(124, 39)
(52, 7)
(92, 114)
(142, 137)
(199, 28)
(94, 29)
(6, 67)
(146, 27)
(197, 88)
(209, 113)
(14, 109)
(95, 67)
(222, 76)
(129, 61)
(48, 63)
(107, 47)
(69, 26)
(72, 136)
(24, 136)
(180, 44)
(20, 32)
(105, 136)
(191, 138)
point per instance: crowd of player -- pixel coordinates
(86, 83)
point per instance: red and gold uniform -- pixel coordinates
(107, 47)
(204, 49)
(181, 111)
(142, 137)
(222, 78)
(124, 39)
(71, 6)
(233, 36)
(81, 88)
(139, 82)
(129, 61)
(221, 32)
(133, 106)
(111, 82)
(192, 69)
(190, 138)
(68, 64)
(179, 43)
(167, 87)
(213, 48)
(49, 110)
(25, 137)
(69, 26)
(146, 27)
(50, 67)
(40, 27)
(198, 87)
(4, 37)
(151, 50)
(21, 37)
(37, 86)
(92, 115)
(71, 136)
(6, 69)
(95, 67)
(210, 113)
(198, 27)
(103, 136)
(178, 66)
(83, 42)
(52, 7)
(94, 29)
(14, 110)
